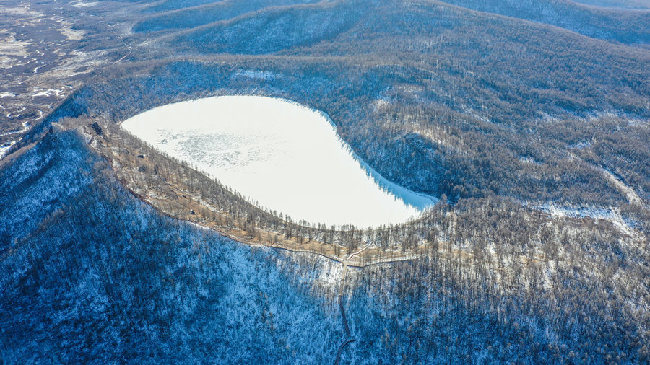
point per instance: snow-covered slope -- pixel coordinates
(92, 274)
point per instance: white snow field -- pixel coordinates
(281, 156)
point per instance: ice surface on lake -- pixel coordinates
(282, 155)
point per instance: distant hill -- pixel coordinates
(624, 4)
(629, 27)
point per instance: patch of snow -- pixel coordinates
(636, 122)
(9, 46)
(548, 118)
(611, 215)
(580, 145)
(81, 4)
(6, 95)
(253, 74)
(330, 274)
(7, 62)
(528, 160)
(24, 10)
(71, 34)
(629, 193)
(46, 93)
(25, 127)
(279, 154)
(9, 133)
(5, 148)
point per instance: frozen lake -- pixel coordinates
(279, 154)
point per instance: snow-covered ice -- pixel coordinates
(281, 156)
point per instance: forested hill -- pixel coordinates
(629, 27)
(530, 122)
(621, 4)
(96, 275)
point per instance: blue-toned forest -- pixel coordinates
(527, 121)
